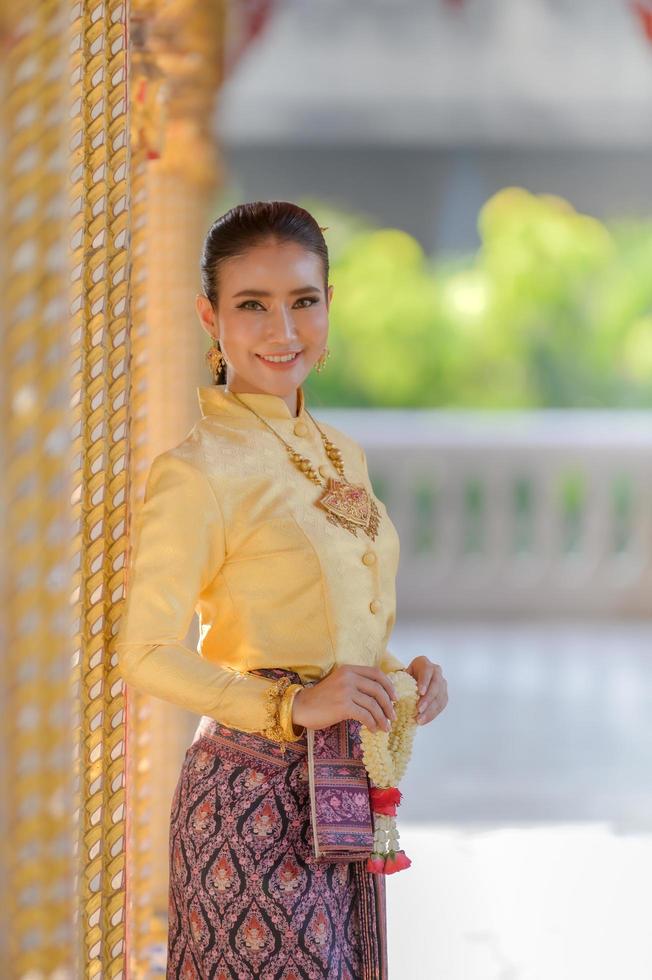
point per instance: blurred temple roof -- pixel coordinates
(528, 72)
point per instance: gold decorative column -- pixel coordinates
(37, 878)
(99, 324)
(64, 401)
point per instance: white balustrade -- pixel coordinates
(515, 514)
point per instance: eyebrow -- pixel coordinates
(264, 292)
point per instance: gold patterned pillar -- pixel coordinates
(100, 358)
(64, 400)
(38, 935)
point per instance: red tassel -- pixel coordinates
(398, 862)
(386, 794)
(644, 14)
(376, 865)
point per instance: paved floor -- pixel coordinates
(527, 807)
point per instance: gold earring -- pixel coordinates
(319, 364)
(215, 359)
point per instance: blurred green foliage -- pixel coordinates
(553, 310)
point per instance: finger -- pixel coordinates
(431, 691)
(381, 677)
(434, 708)
(377, 691)
(427, 684)
(363, 716)
(378, 675)
(435, 684)
(371, 706)
(429, 715)
(427, 674)
(435, 692)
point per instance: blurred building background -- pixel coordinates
(416, 112)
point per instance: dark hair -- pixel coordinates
(247, 225)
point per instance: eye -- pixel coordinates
(242, 306)
(311, 300)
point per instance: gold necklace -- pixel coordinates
(347, 505)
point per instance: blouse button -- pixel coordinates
(374, 605)
(369, 557)
(300, 429)
(324, 470)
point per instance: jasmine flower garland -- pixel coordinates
(386, 755)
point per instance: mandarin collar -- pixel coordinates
(216, 400)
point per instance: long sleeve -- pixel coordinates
(390, 662)
(178, 549)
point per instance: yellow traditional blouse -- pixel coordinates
(229, 529)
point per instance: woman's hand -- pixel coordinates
(348, 691)
(431, 685)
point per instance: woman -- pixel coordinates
(248, 523)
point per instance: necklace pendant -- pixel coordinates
(348, 505)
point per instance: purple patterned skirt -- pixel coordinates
(247, 899)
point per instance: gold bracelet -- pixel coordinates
(273, 698)
(278, 702)
(285, 714)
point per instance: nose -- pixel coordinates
(282, 326)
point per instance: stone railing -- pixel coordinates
(514, 514)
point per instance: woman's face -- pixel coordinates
(271, 301)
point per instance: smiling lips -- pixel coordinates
(279, 359)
